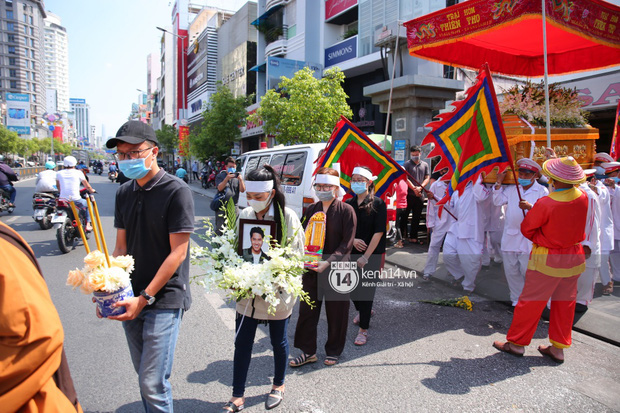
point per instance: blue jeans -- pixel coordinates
(152, 337)
(12, 192)
(243, 351)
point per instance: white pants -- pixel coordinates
(614, 260)
(463, 258)
(437, 238)
(494, 240)
(515, 266)
(585, 286)
(604, 271)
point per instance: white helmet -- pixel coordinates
(69, 162)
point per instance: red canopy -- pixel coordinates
(581, 35)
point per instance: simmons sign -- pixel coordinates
(341, 52)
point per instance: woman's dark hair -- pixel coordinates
(371, 192)
(266, 173)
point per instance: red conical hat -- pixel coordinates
(565, 170)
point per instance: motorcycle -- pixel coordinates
(44, 208)
(112, 175)
(208, 181)
(98, 170)
(67, 232)
(5, 202)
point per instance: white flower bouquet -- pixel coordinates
(97, 276)
(225, 269)
(108, 284)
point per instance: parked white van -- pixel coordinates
(295, 165)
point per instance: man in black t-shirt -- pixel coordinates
(154, 218)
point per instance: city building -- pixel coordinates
(57, 61)
(204, 58)
(163, 96)
(22, 81)
(343, 33)
(81, 117)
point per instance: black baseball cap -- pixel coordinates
(133, 132)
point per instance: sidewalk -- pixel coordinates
(196, 186)
(601, 321)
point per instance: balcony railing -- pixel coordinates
(276, 33)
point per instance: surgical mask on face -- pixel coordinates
(259, 206)
(524, 182)
(415, 158)
(616, 179)
(134, 168)
(231, 170)
(599, 170)
(358, 187)
(325, 196)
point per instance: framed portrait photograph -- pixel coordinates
(253, 246)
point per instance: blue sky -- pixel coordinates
(108, 45)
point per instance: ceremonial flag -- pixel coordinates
(350, 147)
(471, 139)
(614, 151)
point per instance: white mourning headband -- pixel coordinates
(258, 186)
(327, 179)
(364, 172)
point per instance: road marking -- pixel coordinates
(11, 220)
(227, 314)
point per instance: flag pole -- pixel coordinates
(426, 191)
(389, 110)
(548, 121)
(501, 124)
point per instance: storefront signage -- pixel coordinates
(335, 7)
(341, 52)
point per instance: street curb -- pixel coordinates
(481, 292)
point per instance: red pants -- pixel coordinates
(536, 293)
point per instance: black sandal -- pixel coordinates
(232, 407)
(331, 361)
(303, 359)
(274, 398)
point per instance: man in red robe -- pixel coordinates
(556, 226)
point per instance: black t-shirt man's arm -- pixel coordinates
(179, 244)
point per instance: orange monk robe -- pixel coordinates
(31, 338)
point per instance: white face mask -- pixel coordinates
(259, 206)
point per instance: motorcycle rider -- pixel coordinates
(98, 165)
(46, 180)
(112, 167)
(7, 177)
(68, 181)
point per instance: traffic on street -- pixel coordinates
(419, 357)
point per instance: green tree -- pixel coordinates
(220, 124)
(8, 140)
(168, 137)
(306, 109)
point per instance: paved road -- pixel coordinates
(419, 357)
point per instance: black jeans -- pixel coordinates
(243, 351)
(364, 295)
(401, 223)
(415, 204)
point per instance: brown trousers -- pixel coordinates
(336, 309)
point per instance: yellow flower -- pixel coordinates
(123, 261)
(87, 287)
(75, 278)
(97, 279)
(95, 259)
